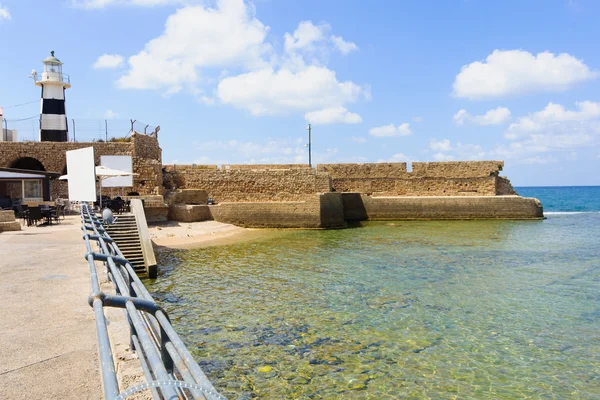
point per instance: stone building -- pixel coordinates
(51, 157)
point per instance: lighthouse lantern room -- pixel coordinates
(53, 115)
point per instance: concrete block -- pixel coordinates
(10, 226)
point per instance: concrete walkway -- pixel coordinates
(48, 347)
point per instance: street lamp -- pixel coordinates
(309, 150)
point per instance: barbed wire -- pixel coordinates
(22, 104)
(79, 129)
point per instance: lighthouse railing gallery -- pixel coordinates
(169, 369)
(54, 77)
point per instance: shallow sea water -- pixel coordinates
(459, 309)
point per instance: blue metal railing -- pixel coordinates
(169, 368)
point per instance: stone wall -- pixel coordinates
(457, 169)
(504, 187)
(189, 213)
(8, 222)
(145, 151)
(265, 166)
(460, 178)
(364, 171)
(248, 185)
(321, 211)
(186, 196)
(454, 208)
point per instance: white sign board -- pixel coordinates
(120, 163)
(82, 174)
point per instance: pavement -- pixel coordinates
(48, 342)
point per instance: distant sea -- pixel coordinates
(565, 198)
(406, 309)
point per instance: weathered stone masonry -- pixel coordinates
(233, 184)
(459, 178)
(301, 197)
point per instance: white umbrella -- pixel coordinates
(103, 172)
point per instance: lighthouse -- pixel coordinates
(53, 114)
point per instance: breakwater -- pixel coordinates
(296, 196)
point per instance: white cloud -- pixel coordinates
(110, 114)
(539, 137)
(391, 130)
(443, 157)
(440, 145)
(333, 115)
(310, 37)
(109, 61)
(4, 14)
(271, 151)
(446, 151)
(400, 157)
(305, 36)
(552, 116)
(343, 46)
(96, 4)
(543, 137)
(358, 139)
(418, 119)
(197, 40)
(496, 116)
(270, 92)
(197, 36)
(509, 72)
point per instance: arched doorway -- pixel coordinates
(28, 163)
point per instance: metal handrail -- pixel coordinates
(169, 368)
(55, 77)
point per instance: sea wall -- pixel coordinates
(320, 211)
(241, 184)
(445, 207)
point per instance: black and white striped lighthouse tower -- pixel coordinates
(53, 114)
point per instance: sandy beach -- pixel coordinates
(187, 235)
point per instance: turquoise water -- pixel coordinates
(565, 198)
(464, 309)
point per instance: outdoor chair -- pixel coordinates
(53, 215)
(34, 215)
(21, 212)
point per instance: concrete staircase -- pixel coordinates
(125, 233)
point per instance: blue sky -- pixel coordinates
(231, 81)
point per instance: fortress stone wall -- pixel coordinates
(245, 184)
(296, 196)
(51, 156)
(297, 182)
(459, 178)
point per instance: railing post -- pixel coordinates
(164, 354)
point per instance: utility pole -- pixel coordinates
(309, 147)
(106, 129)
(73, 120)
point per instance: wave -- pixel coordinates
(569, 212)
